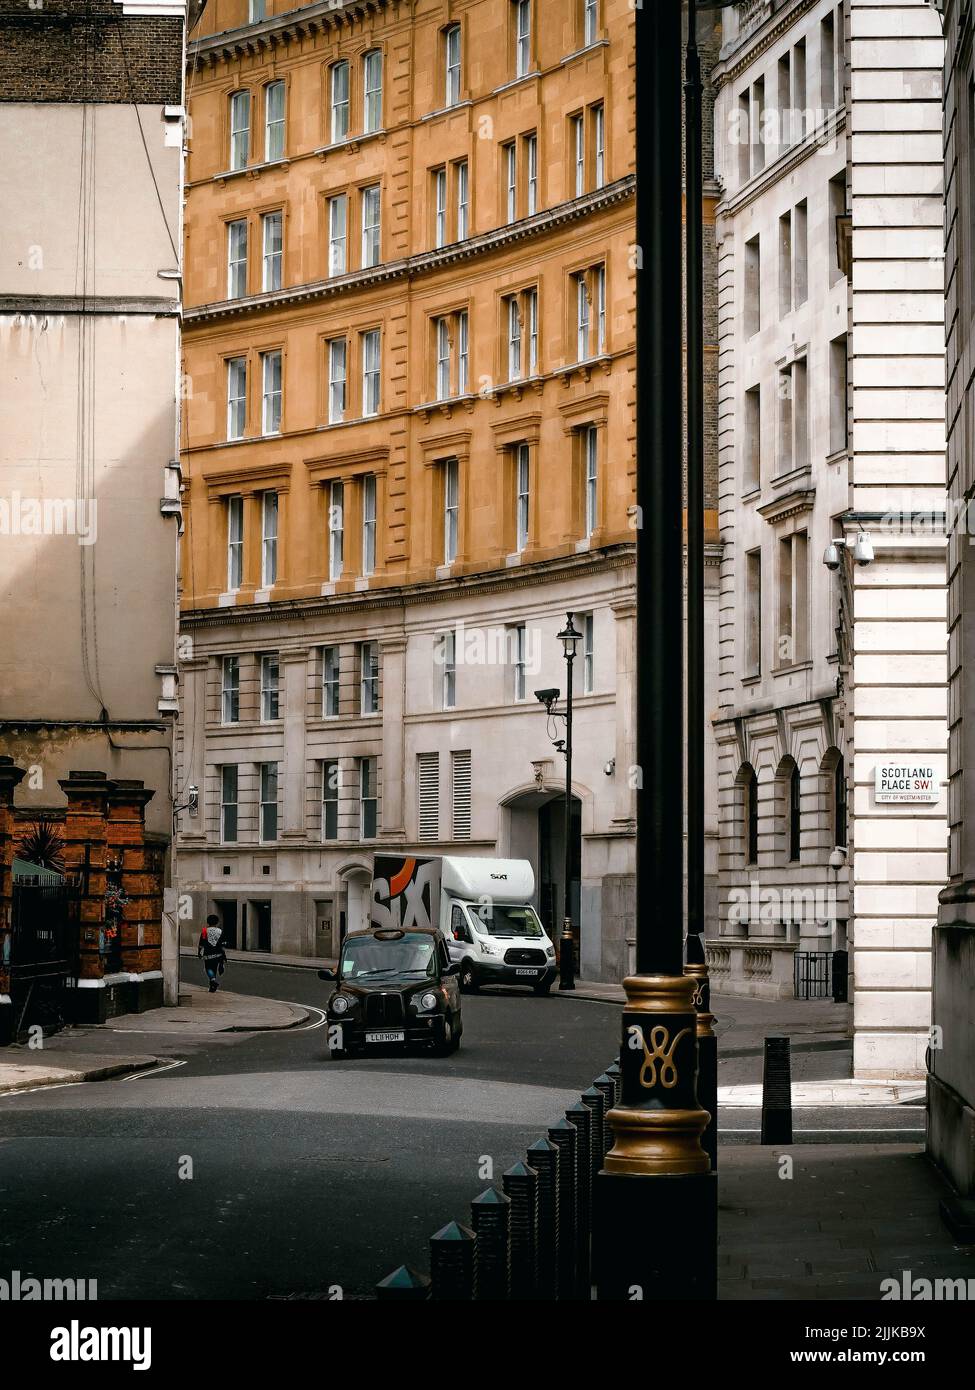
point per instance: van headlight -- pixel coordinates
(550, 952)
(490, 950)
(428, 1000)
(340, 1005)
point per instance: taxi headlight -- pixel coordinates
(428, 1000)
(340, 1005)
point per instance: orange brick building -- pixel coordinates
(407, 451)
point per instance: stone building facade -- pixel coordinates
(831, 363)
(951, 1080)
(89, 341)
(408, 453)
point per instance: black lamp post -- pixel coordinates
(655, 1201)
(570, 638)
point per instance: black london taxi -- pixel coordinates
(394, 987)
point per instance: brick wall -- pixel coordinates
(87, 51)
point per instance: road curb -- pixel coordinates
(72, 1078)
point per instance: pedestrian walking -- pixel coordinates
(211, 951)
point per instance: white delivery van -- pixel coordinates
(482, 907)
(490, 925)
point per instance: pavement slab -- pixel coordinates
(201, 1012)
(33, 1068)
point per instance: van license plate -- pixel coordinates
(385, 1037)
(522, 971)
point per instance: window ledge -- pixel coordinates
(582, 52)
(351, 142)
(252, 171)
(516, 82)
(790, 670)
(427, 409)
(447, 110)
(585, 368)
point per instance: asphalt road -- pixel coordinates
(307, 1175)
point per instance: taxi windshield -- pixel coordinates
(498, 919)
(410, 954)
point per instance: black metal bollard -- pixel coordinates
(405, 1284)
(453, 1272)
(581, 1117)
(490, 1218)
(596, 1102)
(607, 1085)
(565, 1136)
(543, 1156)
(614, 1071)
(777, 1092)
(520, 1184)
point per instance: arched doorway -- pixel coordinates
(533, 828)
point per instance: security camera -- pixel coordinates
(547, 696)
(831, 556)
(193, 804)
(610, 767)
(837, 858)
(863, 549)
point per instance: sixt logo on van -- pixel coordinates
(504, 876)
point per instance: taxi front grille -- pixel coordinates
(384, 1010)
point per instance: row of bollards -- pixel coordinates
(531, 1239)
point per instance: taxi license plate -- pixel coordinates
(522, 971)
(389, 1037)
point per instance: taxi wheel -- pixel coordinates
(451, 1040)
(468, 980)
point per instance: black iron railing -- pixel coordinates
(531, 1238)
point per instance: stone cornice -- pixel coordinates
(619, 556)
(426, 262)
(754, 45)
(831, 129)
(280, 29)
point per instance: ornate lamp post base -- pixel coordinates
(567, 957)
(655, 1201)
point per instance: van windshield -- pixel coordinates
(412, 954)
(503, 919)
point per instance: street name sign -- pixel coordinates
(914, 782)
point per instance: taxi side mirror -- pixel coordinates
(326, 974)
(453, 968)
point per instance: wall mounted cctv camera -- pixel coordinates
(863, 549)
(831, 556)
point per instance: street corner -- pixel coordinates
(200, 1012)
(29, 1074)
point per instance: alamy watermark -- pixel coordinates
(25, 1288)
(49, 516)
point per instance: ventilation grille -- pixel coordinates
(461, 794)
(429, 792)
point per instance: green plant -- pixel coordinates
(42, 843)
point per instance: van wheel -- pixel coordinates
(468, 979)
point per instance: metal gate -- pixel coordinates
(43, 951)
(813, 974)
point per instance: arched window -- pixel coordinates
(795, 815)
(839, 804)
(749, 793)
